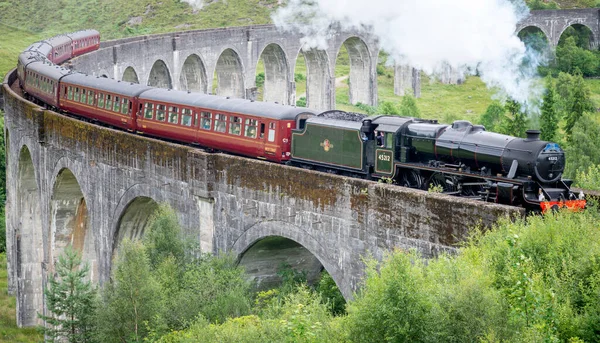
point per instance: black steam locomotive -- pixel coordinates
(461, 159)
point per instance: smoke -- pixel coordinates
(470, 36)
(196, 4)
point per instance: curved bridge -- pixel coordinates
(70, 182)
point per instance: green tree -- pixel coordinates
(493, 116)
(516, 124)
(408, 107)
(70, 299)
(582, 150)
(163, 239)
(388, 107)
(549, 117)
(131, 301)
(578, 104)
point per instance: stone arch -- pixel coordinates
(160, 76)
(527, 35)
(129, 75)
(318, 80)
(360, 70)
(28, 245)
(256, 233)
(193, 75)
(593, 43)
(69, 221)
(276, 74)
(133, 220)
(230, 75)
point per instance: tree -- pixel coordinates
(70, 299)
(549, 117)
(517, 124)
(130, 302)
(492, 117)
(578, 104)
(582, 150)
(408, 107)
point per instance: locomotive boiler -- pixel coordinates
(461, 158)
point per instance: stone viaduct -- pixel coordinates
(71, 182)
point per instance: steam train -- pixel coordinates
(460, 159)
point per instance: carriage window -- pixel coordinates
(108, 102)
(160, 112)
(76, 97)
(117, 106)
(90, 97)
(206, 120)
(173, 119)
(186, 117)
(101, 100)
(148, 111)
(124, 106)
(70, 93)
(271, 132)
(235, 128)
(83, 96)
(220, 123)
(250, 128)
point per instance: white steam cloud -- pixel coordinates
(471, 36)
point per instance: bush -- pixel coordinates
(301, 102)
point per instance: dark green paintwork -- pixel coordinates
(329, 145)
(384, 161)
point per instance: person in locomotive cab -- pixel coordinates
(379, 137)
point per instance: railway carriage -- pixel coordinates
(41, 80)
(84, 41)
(101, 99)
(237, 126)
(62, 48)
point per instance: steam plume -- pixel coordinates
(471, 36)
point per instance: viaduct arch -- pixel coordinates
(70, 181)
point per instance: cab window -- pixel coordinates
(389, 140)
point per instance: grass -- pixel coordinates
(9, 332)
(13, 41)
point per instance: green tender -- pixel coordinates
(336, 146)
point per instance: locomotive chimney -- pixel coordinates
(533, 135)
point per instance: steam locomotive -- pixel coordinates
(459, 159)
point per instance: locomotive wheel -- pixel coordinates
(440, 181)
(412, 179)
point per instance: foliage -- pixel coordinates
(70, 300)
(301, 102)
(493, 116)
(298, 77)
(260, 79)
(529, 280)
(577, 104)
(388, 107)
(542, 5)
(408, 107)
(433, 188)
(300, 317)
(572, 58)
(549, 118)
(590, 178)
(331, 295)
(131, 301)
(516, 124)
(163, 239)
(582, 150)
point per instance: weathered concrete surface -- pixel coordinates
(70, 181)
